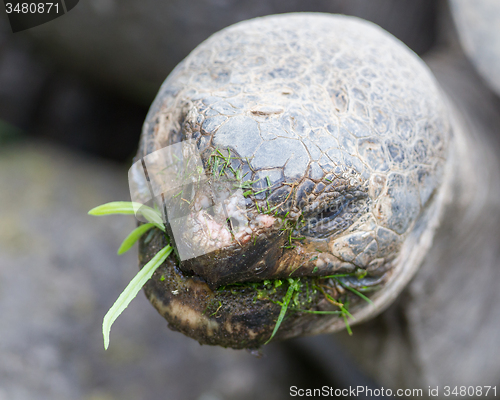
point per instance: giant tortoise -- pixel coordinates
(362, 178)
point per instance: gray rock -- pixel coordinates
(478, 27)
(134, 45)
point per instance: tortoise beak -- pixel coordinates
(253, 261)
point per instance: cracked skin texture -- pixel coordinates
(351, 131)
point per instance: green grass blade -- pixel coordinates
(131, 291)
(115, 207)
(345, 312)
(284, 307)
(318, 312)
(153, 216)
(134, 237)
(335, 276)
(129, 208)
(358, 293)
(347, 326)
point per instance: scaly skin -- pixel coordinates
(339, 116)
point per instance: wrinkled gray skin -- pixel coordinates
(478, 27)
(334, 111)
(444, 328)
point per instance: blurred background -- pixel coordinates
(73, 95)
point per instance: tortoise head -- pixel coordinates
(320, 144)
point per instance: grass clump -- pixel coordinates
(300, 294)
(294, 284)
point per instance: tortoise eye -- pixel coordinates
(326, 220)
(332, 211)
(334, 218)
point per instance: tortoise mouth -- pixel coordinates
(243, 314)
(254, 260)
(228, 317)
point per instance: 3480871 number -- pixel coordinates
(31, 8)
(470, 391)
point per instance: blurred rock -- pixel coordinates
(22, 78)
(478, 26)
(88, 119)
(133, 45)
(41, 99)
